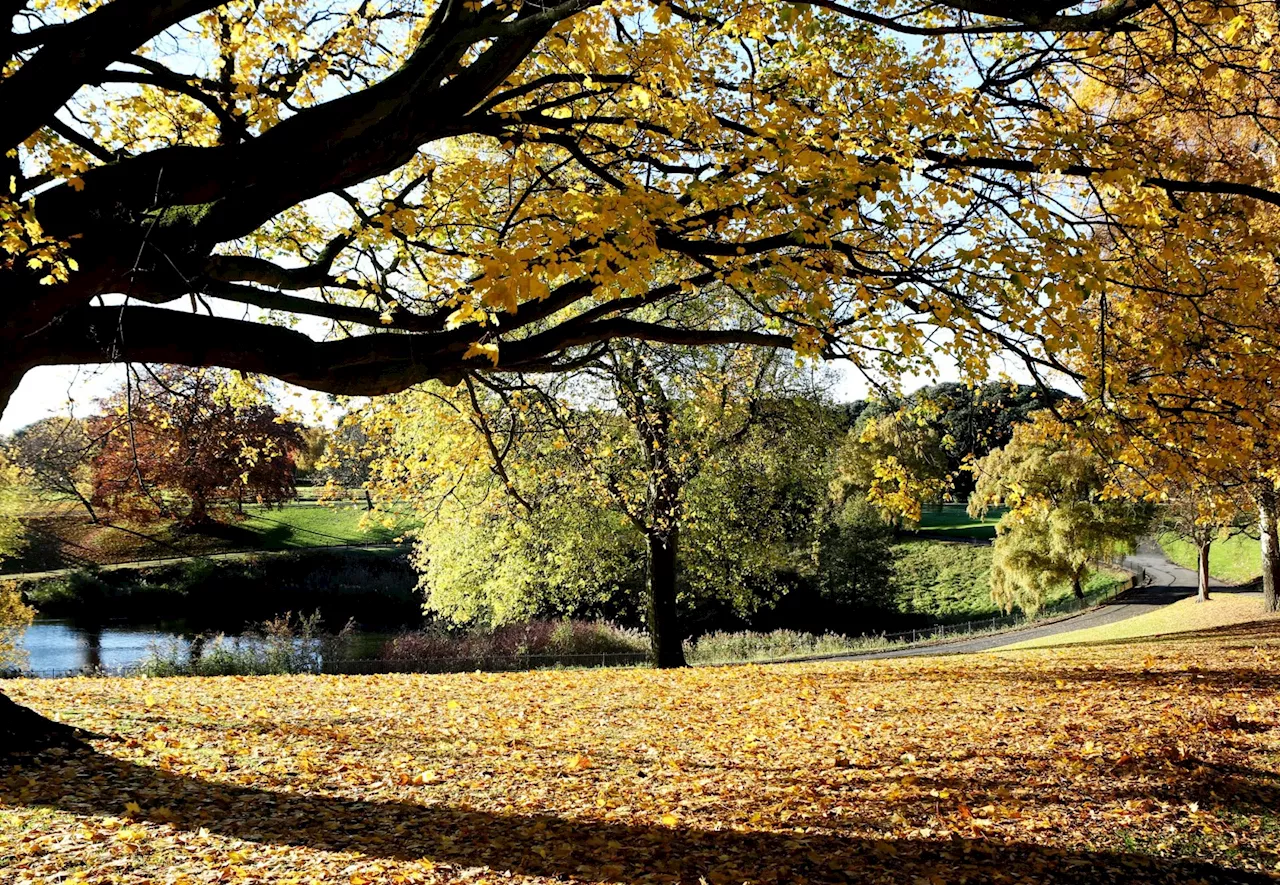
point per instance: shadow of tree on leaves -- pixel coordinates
(89, 783)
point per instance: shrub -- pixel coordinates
(279, 646)
(553, 642)
(717, 648)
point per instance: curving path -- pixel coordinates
(1166, 583)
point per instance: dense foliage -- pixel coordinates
(907, 452)
(1059, 523)
(183, 443)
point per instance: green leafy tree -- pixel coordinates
(1058, 523)
(897, 460)
(907, 452)
(652, 469)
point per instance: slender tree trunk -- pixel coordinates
(664, 620)
(1267, 506)
(1076, 587)
(93, 516)
(1202, 569)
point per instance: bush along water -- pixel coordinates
(282, 645)
(538, 643)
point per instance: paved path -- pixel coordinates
(171, 560)
(1166, 583)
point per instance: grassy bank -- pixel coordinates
(375, 587)
(1185, 615)
(954, 521)
(69, 539)
(952, 581)
(1237, 560)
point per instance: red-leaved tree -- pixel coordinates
(181, 443)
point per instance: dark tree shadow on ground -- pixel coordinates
(89, 783)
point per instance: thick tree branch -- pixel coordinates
(74, 54)
(943, 160)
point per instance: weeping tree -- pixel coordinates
(1058, 525)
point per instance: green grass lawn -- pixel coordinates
(952, 581)
(70, 540)
(1236, 560)
(952, 520)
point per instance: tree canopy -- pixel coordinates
(655, 481)
(1059, 523)
(359, 197)
(180, 443)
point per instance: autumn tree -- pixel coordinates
(481, 157)
(182, 443)
(906, 452)
(659, 470)
(1180, 351)
(898, 461)
(1058, 524)
(14, 614)
(14, 503)
(1200, 519)
(55, 453)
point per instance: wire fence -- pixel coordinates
(1070, 605)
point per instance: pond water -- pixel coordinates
(57, 647)
(63, 648)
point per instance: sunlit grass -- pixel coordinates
(1237, 560)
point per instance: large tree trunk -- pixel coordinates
(1076, 587)
(664, 619)
(1202, 569)
(1267, 506)
(24, 731)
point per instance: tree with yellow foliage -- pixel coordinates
(415, 191)
(1181, 351)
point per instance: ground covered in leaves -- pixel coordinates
(1129, 762)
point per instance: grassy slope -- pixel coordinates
(1236, 560)
(952, 520)
(70, 540)
(952, 581)
(1148, 762)
(1222, 610)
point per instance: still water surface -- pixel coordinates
(61, 648)
(56, 646)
